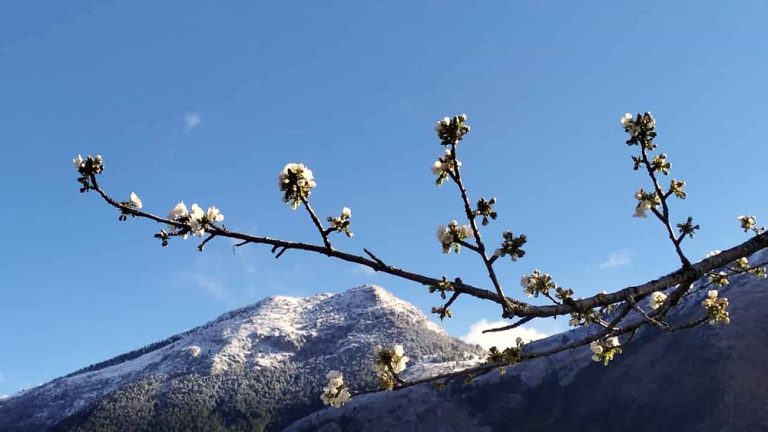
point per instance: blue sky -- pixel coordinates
(205, 102)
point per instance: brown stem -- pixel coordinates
(683, 275)
(509, 327)
(664, 216)
(455, 175)
(317, 223)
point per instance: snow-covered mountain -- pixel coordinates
(261, 365)
(711, 378)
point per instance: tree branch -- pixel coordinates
(455, 175)
(664, 216)
(519, 309)
(318, 224)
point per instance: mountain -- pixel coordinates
(711, 378)
(258, 367)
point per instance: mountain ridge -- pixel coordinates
(271, 341)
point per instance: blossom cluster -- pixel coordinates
(641, 129)
(537, 283)
(687, 228)
(341, 222)
(749, 223)
(645, 202)
(445, 166)
(511, 246)
(660, 164)
(442, 312)
(719, 278)
(677, 188)
(485, 209)
(387, 363)
(584, 318)
(452, 235)
(657, 299)
(196, 220)
(442, 286)
(296, 182)
(717, 308)
(335, 393)
(87, 167)
(742, 265)
(604, 350)
(451, 130)
(509, 356)
(133, 203)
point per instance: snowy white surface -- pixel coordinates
(264, 335)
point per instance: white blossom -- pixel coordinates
(626, 119)
(537, 283)
(179, 211)
(444, 235)
(596, 348)
(213, 215)
(399, 366)
(135, 202)
(437, 168)
(388, 361)
(445, 121)
(296, 182)
(78, 162)
(719, 278)
(196, 216)
(335, 393)
(657, 299)
(747, 222)
(645, 202)
(196, 213)
(717, 308)
(604, 350)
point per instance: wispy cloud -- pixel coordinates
(191, 121)
(213, 287)
(616, 259)
(500, 340)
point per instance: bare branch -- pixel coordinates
(509, 327)
(664, 216)
(480, 250)
(518, 308)
(316, 221)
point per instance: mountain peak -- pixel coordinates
(290, 339)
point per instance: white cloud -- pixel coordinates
(191, 121)
(616, 259)
(213, 288)
(502, 339)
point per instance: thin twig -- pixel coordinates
(455, 175)
(316, 221)
(664, 216)
(374, 257)
(509, 327)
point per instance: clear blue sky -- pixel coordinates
(353, 91)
